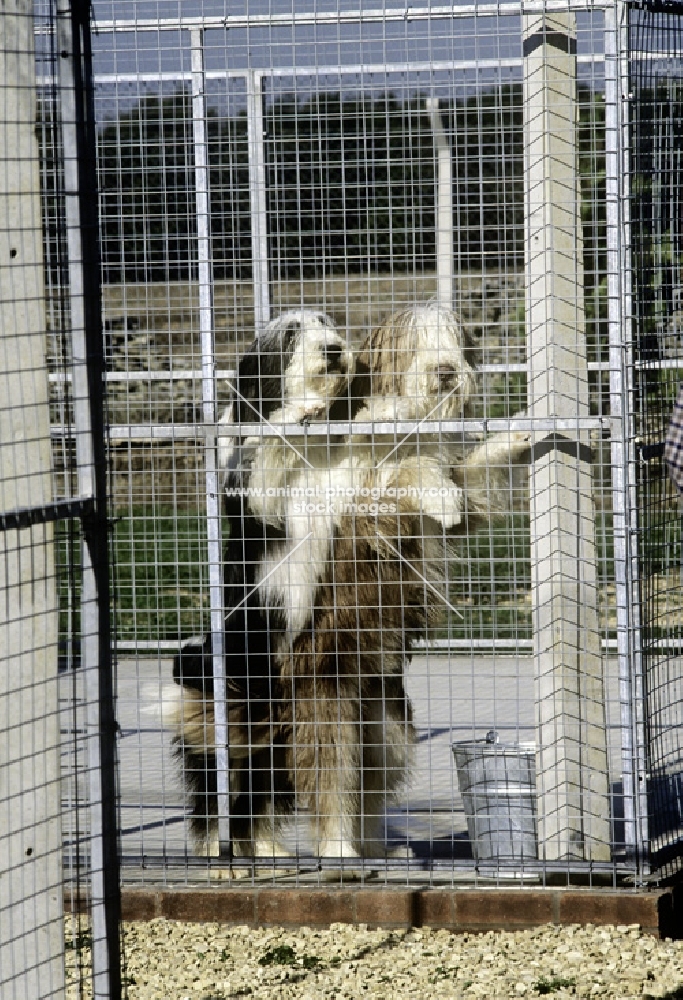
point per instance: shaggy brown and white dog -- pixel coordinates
(354, 583)
(346, 720)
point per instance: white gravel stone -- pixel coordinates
(169, 960)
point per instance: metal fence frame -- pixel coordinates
(73, 82)
(82, 231)
(618, 425)
(95, 887)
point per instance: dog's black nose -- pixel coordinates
(333, 357)
(446, 375)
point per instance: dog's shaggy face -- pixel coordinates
(417, 366)
(318, 366)
(291, 373)
(300, 361)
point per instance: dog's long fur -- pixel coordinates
(292, 372)
(347, 721)
(263, 390)
(335, 728)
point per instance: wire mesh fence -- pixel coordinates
(249, 175)
(59, 827)
(655, 79)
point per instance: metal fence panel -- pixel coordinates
(59, 827)
(356, 164)
(460, 219)
(655, 85)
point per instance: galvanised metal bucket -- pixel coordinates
(498, 787)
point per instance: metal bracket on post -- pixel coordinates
(213, 500)
(258, 200)
(444, 206)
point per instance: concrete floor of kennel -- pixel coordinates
(449, 695)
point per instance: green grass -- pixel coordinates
(489, 581)
(284, 954)
(68, 566)
(545, 986)
(161, 574)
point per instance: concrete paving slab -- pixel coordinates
(454, 698)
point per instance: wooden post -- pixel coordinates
(31, 903)
(571, 766)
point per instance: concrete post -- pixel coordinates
(444, 206)
(31, 904)
(572, 779)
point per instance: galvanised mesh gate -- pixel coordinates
(356, 163)
(58, 832)
(655, 182)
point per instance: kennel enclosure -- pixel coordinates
(294, 158)
(172, 180)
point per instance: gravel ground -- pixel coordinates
(168, 960)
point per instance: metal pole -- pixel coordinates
(82, 226)
(624, 500)
(213, 504)
(258, 200)
(31, 903)
(572, 773)
(444, 206)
